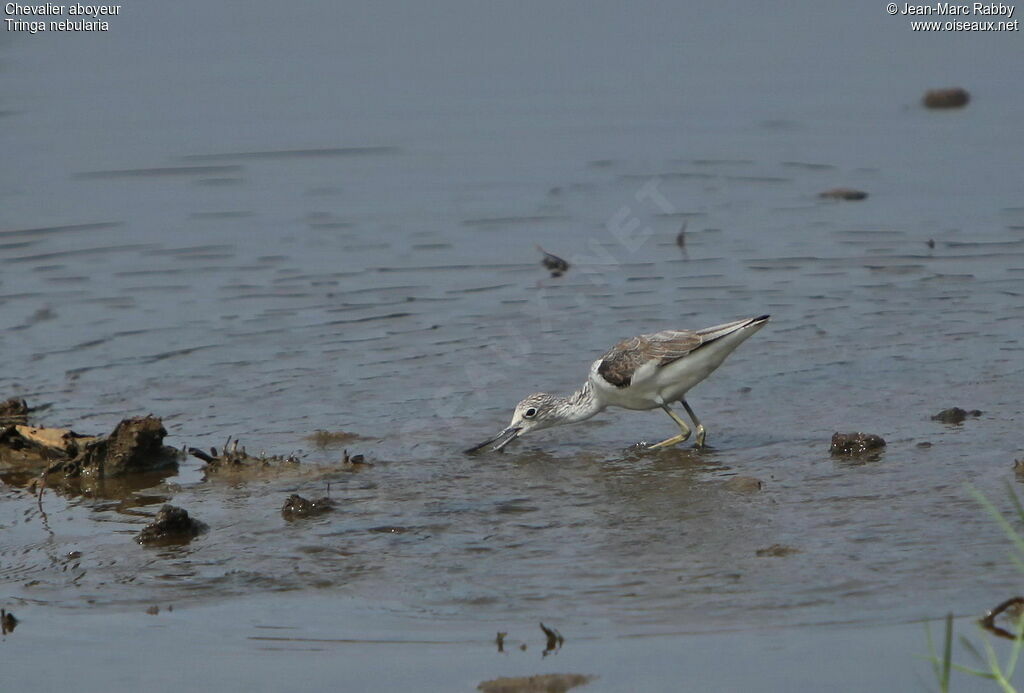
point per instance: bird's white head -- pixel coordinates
(536, 412)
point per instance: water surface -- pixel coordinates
(266, 224)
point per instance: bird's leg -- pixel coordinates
(696, 423)
(674, 440)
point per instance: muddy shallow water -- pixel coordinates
(245, 246)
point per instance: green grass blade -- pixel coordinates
(1008, 529)
(933, 657)
(975, 672)
(947, 653)
(1018, 642)
(1015, 499)
(969, 646)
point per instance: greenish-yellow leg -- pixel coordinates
(674, 440)
(696, 422)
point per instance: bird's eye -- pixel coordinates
(530, 413)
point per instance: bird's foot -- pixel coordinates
(675, 440)
(701, 436)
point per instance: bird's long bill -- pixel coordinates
(499, 441)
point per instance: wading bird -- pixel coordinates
(646, 372)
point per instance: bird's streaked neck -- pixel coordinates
(580, 405)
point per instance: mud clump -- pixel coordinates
(172, 525)
(954, 97)
(843, 194)
(13, 411)
(956, 415)
(297, 507)
(135, 445)
(856, 444)
(541, 683)
(7, 622)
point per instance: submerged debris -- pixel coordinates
(135, 445)
(7, 622)
(541, 683)
(777, 551)
(172, 525)
(499, 640)
(554, 642)
(296, 507)
(235, 458)
(955, 415)
(856, 444)
(681, 236)
(326, 439)
(556, 265)
(843, 194)
(954, 97)
(744, 484)
(1013, 608)
(13, 411)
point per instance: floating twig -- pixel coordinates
(554, 642)
(1015, 605)
(554, 264)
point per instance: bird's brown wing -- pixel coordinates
(621, 362)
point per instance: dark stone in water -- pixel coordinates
(296, 506)
(955, 97)
(955, 415)
(856, 444)
(171, 526)
(844, 194)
